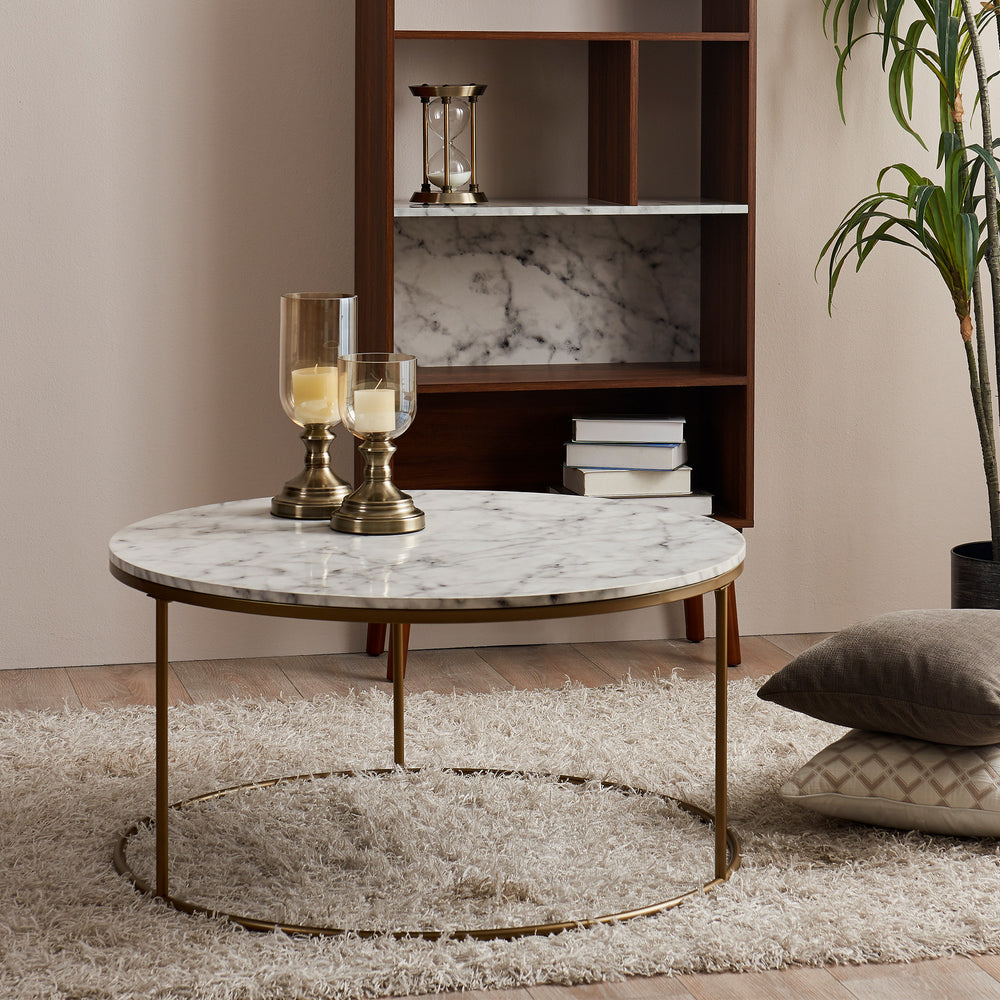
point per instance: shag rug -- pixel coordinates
(436, 849)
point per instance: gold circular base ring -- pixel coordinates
(733, 858)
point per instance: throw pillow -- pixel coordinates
(931, 675)
(910, 784)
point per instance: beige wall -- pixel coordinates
(169, 169)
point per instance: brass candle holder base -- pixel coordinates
(316, 492)
(377, 507)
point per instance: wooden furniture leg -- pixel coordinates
(375, 645)
(735, 656)
(375, 642)
(694, 619)
(694, 625)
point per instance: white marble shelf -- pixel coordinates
(480, 550)
(499, 208)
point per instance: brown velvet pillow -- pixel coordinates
(930, 675)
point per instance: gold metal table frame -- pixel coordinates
(726, 850)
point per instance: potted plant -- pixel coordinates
(949, 219)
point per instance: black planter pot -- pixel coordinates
(975, 577)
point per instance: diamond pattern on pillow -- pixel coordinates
(899, 782)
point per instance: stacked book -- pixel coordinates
(632, 456)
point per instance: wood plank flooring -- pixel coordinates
(491, 668)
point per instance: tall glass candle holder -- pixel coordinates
(378, 399)
(316, 328)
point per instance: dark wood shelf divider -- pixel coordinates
(613, 122)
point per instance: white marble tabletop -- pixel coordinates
(480, 550)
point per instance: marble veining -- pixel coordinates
(480, 550)
(473, 290)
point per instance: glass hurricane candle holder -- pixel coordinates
(316, 328)
(378, 399)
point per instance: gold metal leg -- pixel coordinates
(161, 748)
(721, 731)
(397, 660)
(727, 844)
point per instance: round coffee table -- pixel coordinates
(483, 557)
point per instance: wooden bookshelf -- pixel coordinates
(504, 426)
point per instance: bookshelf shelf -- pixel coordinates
(522, 378)
(576, 36)
(526, 208)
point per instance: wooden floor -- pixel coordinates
(490, 668)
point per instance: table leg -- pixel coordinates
(162, 788)
(721, 730)
(397, 660)
(406, 648)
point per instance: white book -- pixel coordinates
(686, 503)
(664, 430)
(626, 482)
(625, 455)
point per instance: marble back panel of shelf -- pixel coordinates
(548, 289)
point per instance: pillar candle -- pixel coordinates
(374, 410)
(314, 395)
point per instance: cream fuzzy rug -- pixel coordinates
(433, 847)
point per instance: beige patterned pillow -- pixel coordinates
(911, 784)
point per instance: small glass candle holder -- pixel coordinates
(378, 399)
(316, 328)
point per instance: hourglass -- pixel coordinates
(448, 109)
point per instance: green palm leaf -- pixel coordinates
(952, 223)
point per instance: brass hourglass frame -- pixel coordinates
(447, 92)
(316, 328)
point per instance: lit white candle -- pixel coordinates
(374, 410)
(314, 395)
